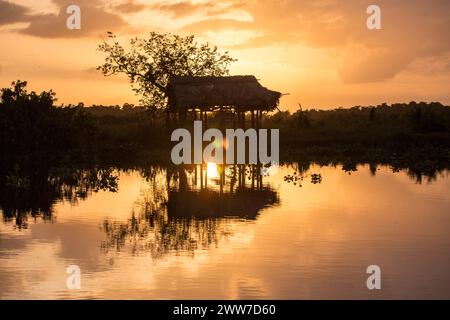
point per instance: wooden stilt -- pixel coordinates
(253, 118)
(206, 176)
(233, 179)
(221, 178)
(195, 174)
(239, 176)
(260, 181)
(201, 177)
(259, 118)
(253, 176)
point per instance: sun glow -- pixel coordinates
(212, 170)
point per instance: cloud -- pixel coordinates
(431, 66)
(374, 66)
(91, 70)
(410, 30)
(182, 8)
(95, 19)
(129, 6)
(12, 13)
(208, 8)
(263, 41)
(218, 25)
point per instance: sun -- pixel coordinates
(211, 169)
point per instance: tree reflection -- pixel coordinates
(179, 209)
(182, 210)
(34, 193)
(418, 171)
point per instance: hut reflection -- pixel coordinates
(195, 208)
(236, 191)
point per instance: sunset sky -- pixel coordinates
(318, 51)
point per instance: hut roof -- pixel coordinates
(241, 92)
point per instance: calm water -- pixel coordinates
(293, 235)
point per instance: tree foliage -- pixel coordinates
(150, 63)
(17, 96)
(32, 128)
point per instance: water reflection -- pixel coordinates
(190, 208)
(423, 170)
(177, 193)
(226, 232)
(33, 193)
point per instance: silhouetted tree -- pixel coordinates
(33, 129)
(17, 97)
(372, 114)
(149, 63)
(302, 118)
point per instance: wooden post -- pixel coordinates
(253, 118)
(195, 175)
(260, 181)
(239, 176)
(233, 179)
(259, 118)
(221, 169)
(206, 176)
(201, 177)
(253, 176)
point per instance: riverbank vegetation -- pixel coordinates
(35, 129)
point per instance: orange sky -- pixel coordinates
(319, 51)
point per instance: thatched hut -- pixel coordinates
(237, 93)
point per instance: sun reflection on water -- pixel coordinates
(212, 170)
